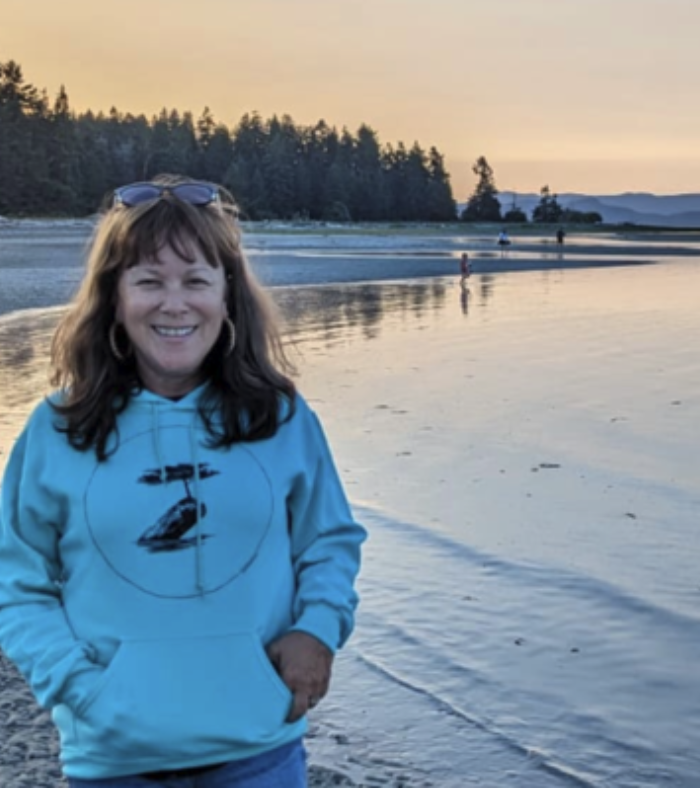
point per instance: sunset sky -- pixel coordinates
(597, 96)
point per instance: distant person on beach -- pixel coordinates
(560, 236)
(464, 268)
(503, 239)
(177, 553)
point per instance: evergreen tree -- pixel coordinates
(320, 143)
(440, 204)
(416, 183)
(205, 129)
(369, 196)
(244, 176)
(279, 166)
(24, 126)
(483, 205)
(173, 144)
(548, 210)
(118, 148)
(93, 164)
(214, 148)
(63, 154)
(395, 164)
(218, 155)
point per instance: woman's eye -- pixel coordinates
(199, 282)
(147, 282)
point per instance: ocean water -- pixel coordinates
(525, 455)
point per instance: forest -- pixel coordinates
(56, 162)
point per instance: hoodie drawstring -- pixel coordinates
(197, 499)
(156, 443)
(199, 571)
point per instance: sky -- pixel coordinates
(592, 96)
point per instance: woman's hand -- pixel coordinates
(304, 664)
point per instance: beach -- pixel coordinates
(524, 453)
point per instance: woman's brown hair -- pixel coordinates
(243, 398)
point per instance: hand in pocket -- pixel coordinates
(304, 664)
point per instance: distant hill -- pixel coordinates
(678, 210)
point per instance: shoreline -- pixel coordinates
(301, 227)
(57, 250)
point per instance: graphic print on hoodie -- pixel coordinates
(168, 533)
(148, 532)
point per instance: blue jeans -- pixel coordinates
(283, 767)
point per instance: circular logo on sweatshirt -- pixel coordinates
(177, 519)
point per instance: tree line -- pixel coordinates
(484, 205)
(54, 161)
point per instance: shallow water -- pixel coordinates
(525, 456)
(527, 461)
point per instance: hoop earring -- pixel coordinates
(232, 335)
(114, 347)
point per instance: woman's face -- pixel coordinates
(172, 311)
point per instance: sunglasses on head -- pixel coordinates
(193, 192)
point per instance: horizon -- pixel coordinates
(602, 195)
(620, 117)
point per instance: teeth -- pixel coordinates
(173, 332)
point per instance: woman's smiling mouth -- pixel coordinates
(165, 331)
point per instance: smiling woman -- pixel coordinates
(179, 478)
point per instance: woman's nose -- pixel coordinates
(174, 299)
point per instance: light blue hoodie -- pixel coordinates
(142, 626)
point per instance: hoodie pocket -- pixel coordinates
(180, 697)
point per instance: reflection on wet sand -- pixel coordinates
(486, 285)
(465, 294)
(327, 311)
(25, 340)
